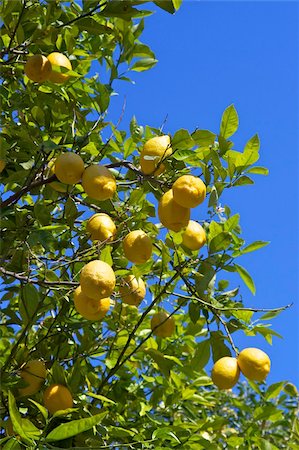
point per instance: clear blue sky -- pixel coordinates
(212, 54)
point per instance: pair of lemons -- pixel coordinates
(40, 68)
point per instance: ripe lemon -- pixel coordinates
(225, 372)
(101, 227)
(2, 165)
(56, 185)
(133, 290)
(254, 364)
(38, 68)
(97, 280)
(98, 182)
(57, 397)
(34, 373)
(153, 151)
(137, 247)
(69, 168)
(171, 214)
(59, 60)
(189, 191)
(88, 307)
(162, 325)
(194, 236)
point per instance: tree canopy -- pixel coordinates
(132, 387)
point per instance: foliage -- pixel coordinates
(131, 390)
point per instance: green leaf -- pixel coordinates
(166, 5)
(241, 181)
(106, 255)
(229, 122)
(182, 140)
(203, 138)
(246, 278)
(101, 397)
(12, 444)
(201, 356)
(144, 64)
(29, 300)
(274, 390)
(270, 315)
(194, 311)
(75, 427)
(256, 245)
(22, 427)
(70, 211)
(219, 349)
(220, 242)
(253, 144)
(258, 170)
(177, 3)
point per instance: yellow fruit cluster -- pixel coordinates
(252, 362)
(40, 68)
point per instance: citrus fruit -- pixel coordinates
(162, 325)
(189, 191)
(69, 168)
(194, 236)
(153, 151)
(56, 185)
(2, 165)
(38, 68)
(225, 372)
(88, 307)
(34, 373)
(97, 280)
(98, 182)
(171, 214)
(254, 364)
(57, 61)
(101, 227)
(57, 397)
(138, 247)
(133, 290)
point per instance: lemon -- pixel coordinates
(137, 247)
(59, 60)
(162, 325)
(34, 373)
(225, 372)
(69, 168)
(133, 290)
(38, 68)
(57, 397)
(189, 191)
(2, 165)
(97, 280)
(98, 182)
(88, 307)
(153, 151)
(101, 227)
(56, 185)
(254, 364)
(194, 236)
(171, 214)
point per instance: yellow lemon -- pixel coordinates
(189, 191)
(34, 373)
(225, 372)
(97, 280)
(59, 60)
(171, 214)
(162, 325)
(56, 185)
(38, 68)
(98, 182)
(133, 290)
(2, 165)
(69, 168)
(254, 364)
(57, 397)
(194, 236)
(137, 247)
(153, 151)
(101, 227)
(88, 307)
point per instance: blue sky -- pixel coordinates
(212, 54)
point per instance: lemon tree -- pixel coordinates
(119, 311)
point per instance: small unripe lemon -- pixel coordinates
(162, 325)
(98, 182)
(189, 191)
(34, 373)
(101, 227)
(153, 151)
(172, 215)
(133, 290)
(254, 364)
(225, 372)
(194, 236)
(88, 307)
(38, 68)
(137, 247)
(69, 168)
(59, 60)
(57, 397)
(97, 280)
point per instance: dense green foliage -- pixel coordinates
(131, 390)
